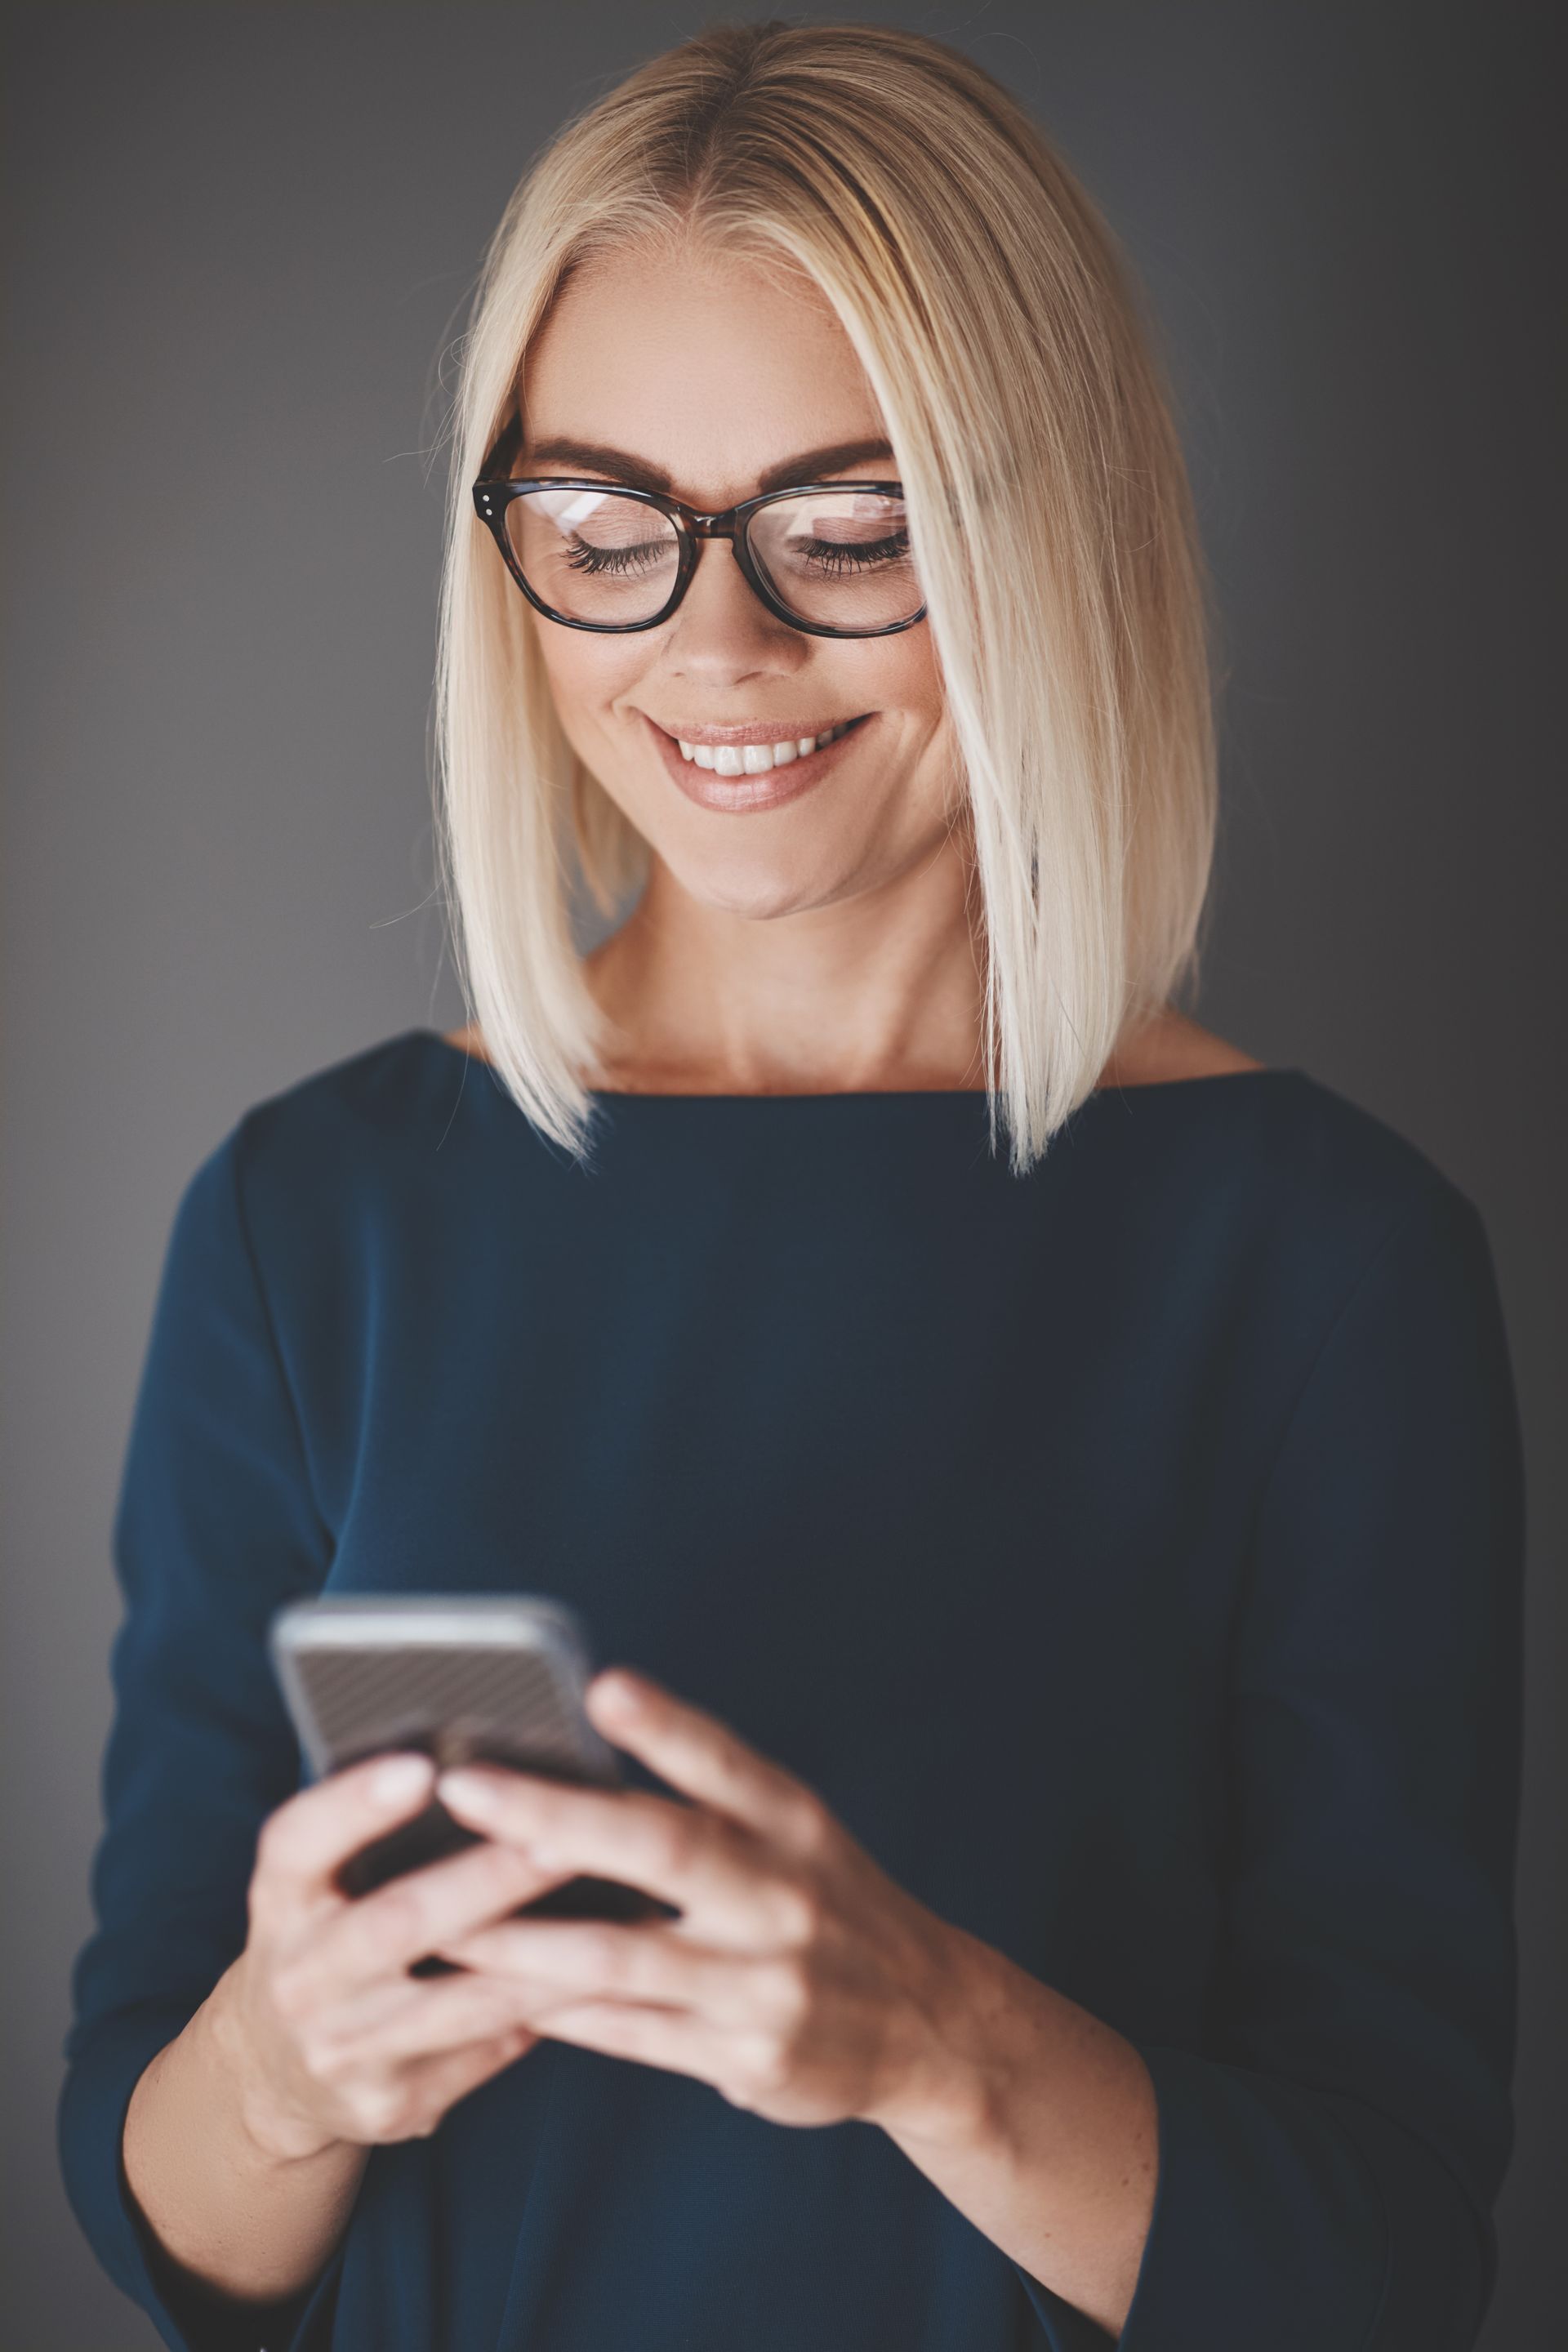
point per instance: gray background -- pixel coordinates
(241, 238)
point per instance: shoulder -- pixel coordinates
(1346, 1184)
(1297, 1228)
(403, 1092)
(1267, 1175)
(390, 1087)
(1300, 1141)
(391, 1122)
(1307, 1197)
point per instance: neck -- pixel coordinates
(878, 991)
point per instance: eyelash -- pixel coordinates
(837, 556)
(831, 556)
(609, 561)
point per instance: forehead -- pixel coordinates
(712, 368)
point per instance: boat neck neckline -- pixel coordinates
(878, 1094)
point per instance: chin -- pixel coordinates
(759, 890)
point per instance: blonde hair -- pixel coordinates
(997, 323)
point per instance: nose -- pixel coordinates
(722, 632)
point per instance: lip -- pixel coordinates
(742, 795)
(759, 730)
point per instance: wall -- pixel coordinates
(242, 237)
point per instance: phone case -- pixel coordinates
(464, 1679)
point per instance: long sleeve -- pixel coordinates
(1213, 1411)
(216, 1529)
(1330, 2157)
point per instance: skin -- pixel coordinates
(828, 944)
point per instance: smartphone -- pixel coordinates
(462, 1678)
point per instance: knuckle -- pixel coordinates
(502, 1870)
(802, 1914)
(675, 1842)
(324, 2057)
(494, 2018)
(400, 1911)
(788, 1997)
(606, 1956)
(491, 2004)
(275, 1842)
(762, 2064)
(378, 2109)
(810, 1825)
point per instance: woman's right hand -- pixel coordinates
(329, 2038)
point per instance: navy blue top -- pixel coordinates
(1130, 1554)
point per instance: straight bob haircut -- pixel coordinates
(999, 327)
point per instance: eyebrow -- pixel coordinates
(592, 456)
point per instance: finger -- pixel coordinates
(597, 1960)
(384, 2016)
(306, 1841)
(412, 1916)
(436, 2085)
(680, 1852)
(667, 2038)
(450, 2015)
(702, 1757)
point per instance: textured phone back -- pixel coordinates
(357, 1684)
(454, 1701)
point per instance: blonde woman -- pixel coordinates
(1053, 1479)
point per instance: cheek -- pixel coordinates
(588, 675)
(896, 675)
(911, 679)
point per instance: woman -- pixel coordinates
(1073, 1592)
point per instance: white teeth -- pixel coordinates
(756, 759)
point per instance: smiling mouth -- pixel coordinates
(735, 757)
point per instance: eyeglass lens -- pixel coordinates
(839, 558)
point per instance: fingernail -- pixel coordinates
(401, 1778)
(469, 1790)
(624, 1695)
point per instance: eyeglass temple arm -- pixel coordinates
(503, 450)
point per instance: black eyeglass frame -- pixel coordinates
(495, 490)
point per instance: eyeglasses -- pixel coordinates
(830, 557)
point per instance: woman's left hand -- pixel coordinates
(799, 1979)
